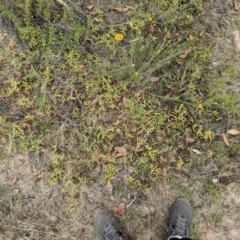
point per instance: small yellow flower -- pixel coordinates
(133, 65)
(200, 106)
(10, 147)
(158, 50)
(216, 103)
(154, 38)
(191, 37)
(150, 19)
(136, 73)
(118, 37)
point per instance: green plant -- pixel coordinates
(79, 92)
(117, 189)
(212, 190)
(215, 218)
(133, 215)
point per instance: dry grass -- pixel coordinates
(84, 121)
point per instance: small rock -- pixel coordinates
(215, 180)
(152, 210)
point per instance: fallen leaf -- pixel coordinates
(109, 187)
(119, 168)
(183, 56)
(142, 47)
(165, 171)
(121, 150)
(236, 6)
(233, 132)
(196, 151)
(125, 9)
(120, 116)
(189, 139)
(43, 87)
(53, 98)
(41, 114)
(134, 40)
(93, 12)
(130, 7)
(71, 92)
(139, 132)
(154, 79)
(121, 208)
(96, 19)
(6, 81)
(179, 176)
(94, 101)
(35, 205)
(124, 99)
(90, 7)
(14, 180)
(223, 73)
(225, 139)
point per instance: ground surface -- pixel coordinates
(31, 209)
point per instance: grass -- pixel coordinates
(215, 218)
(85, 83)
(133, 215)
(213, 190)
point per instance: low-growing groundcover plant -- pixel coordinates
(108, 87)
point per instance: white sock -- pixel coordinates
(177, 236)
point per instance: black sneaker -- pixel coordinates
(180, 220)
(106, 226)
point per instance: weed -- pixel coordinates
(117, 189)
(82, 87)
(133, 215)
(212, 190)
(186, 191)
(215, 218)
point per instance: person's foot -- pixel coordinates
(180, 220)
(106, 226)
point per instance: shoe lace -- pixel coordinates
(111, 233)
(180, 226)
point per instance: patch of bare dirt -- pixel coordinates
(31, 209)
